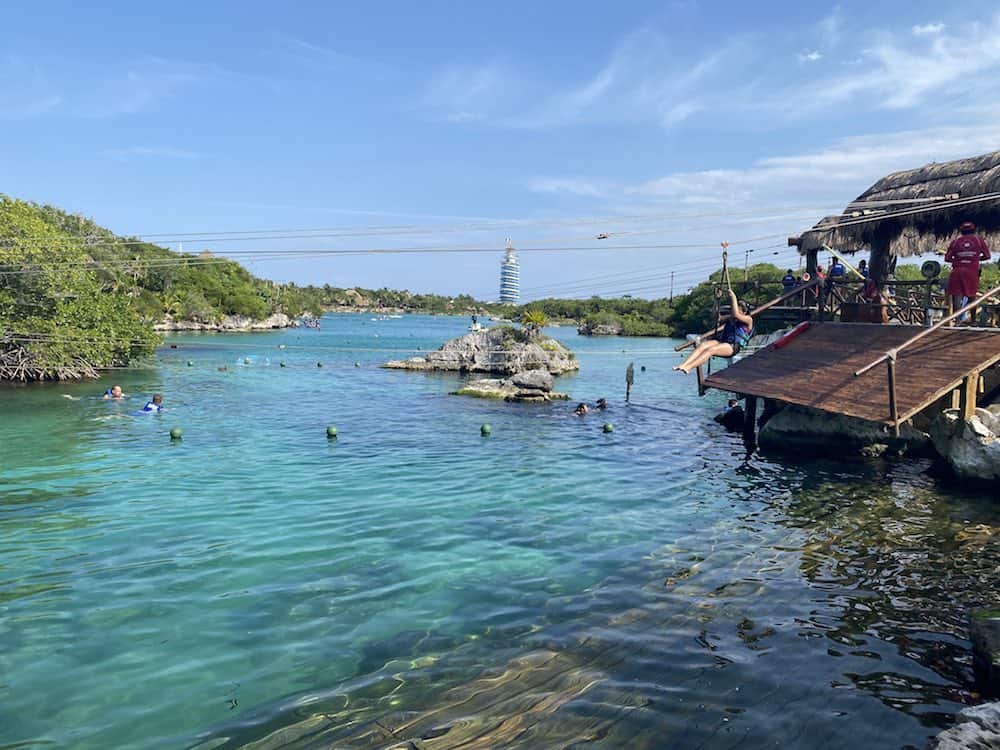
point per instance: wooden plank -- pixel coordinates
(893, 408)
(817, 369)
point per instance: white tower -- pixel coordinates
(510, 277)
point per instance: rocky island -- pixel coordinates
(525, 360)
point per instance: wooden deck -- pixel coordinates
(817, 368)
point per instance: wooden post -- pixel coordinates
(893, 408)
(701, 378)
(878, 263)
(812, 261)
(750, 423)
(967, 397)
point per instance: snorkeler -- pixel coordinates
(114, 393)
(581, 410)
(154, 406)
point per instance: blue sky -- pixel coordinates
(680, 124)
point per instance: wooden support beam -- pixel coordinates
(701, 381)
(893, 408)
(750, 423)
(967, 399)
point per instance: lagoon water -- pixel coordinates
(646, 588)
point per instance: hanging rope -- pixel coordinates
(725, 265)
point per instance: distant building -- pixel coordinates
(510, 277)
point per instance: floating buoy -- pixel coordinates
(357, 364)
(331, 432)
(176, 433)
(282, 364)
(246, 360)
(485, 430)
(608, 427)
(319, 364)
(190, 363)
(642, 369)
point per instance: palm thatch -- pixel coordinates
(917, 211)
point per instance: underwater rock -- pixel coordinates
(517, 388)
(972, 448)
(978, 728)
(984, 632)
(798, 428)
(499, 351)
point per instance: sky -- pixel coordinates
(669, 126)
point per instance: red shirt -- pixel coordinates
(966, 251)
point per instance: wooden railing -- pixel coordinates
(890, 357)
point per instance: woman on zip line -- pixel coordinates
(735, 334)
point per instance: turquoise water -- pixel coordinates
(256, 576)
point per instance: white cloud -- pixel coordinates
(156, 152)
(838, 172)
(650, 79)
(468, 93)
(643, 81)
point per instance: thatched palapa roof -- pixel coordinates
(917, 211)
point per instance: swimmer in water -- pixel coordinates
(114, 393)
(581, 410)
(154, 406)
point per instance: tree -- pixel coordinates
(534, 321)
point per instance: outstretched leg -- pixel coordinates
(705, 352)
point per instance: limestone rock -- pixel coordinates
(497, 351)
(600, 329)
(978, 728)
(984, 632)
(972, 448)
(796, 429)
(229, 323)
(536, 379)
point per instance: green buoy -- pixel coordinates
(246, 360)
(608, 427)
(282, 364)
(319, 364)
(357, 364)
(331, 432)
(485, 430)
(190, 363)
(176, 433)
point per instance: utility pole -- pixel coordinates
(746, 266)
(671, 287)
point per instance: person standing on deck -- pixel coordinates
(964, 253)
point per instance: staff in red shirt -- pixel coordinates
(964, 254)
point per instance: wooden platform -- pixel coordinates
(817, 368)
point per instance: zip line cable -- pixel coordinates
(319, 233)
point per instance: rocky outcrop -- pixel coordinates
(978, 728)
(600, 329)
(497, 351)
(973, 447)
(984, 632)
(797, 429)
(532, 386)
(229, 323)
